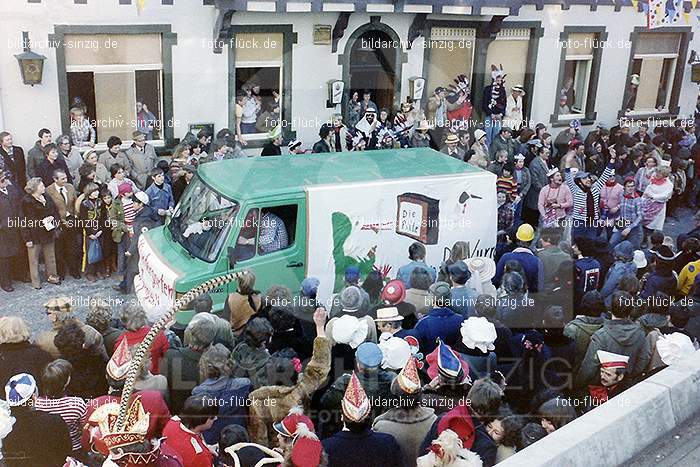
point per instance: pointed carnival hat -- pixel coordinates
(118, 365)
(355, 404)
(408, 379)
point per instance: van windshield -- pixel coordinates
(202, 221)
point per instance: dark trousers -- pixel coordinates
(68, 252)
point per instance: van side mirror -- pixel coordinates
(231, 253)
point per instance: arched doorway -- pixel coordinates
(373, 67)
(372, 60)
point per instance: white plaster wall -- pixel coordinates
(200, 81)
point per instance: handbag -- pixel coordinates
(94, 252)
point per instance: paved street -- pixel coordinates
(679, 448)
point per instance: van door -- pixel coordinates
(272, 243)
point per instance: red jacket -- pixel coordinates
(158, 349)
(153, 404)
(188, 445)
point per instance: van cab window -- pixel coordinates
(202, 221)
(246, 243)
(277, 228)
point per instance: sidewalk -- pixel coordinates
(681, 447)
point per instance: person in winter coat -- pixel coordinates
(160, 194)
(271, 403)
(662, 278)
(180, 365)
(494, 103)
(524, 255)
(504, 141)
(587, 321)
(624, 254)
(114, 155)
(133, 318)
(481, 156)
(17, 353)
(92, 232)
(142, 157)
(440, 322)
(36, 154)
(71, 155)
(12, 160)
(39, 235)
(618, 335)
(245, 302)
(87, 379)
(11, 261)
(540, 176)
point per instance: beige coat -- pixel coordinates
(141, 164)
(270, 404)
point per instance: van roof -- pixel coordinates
(252, 176)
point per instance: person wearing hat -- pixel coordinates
(350, 303)
(482, 270)
(420, 137)
(295, 147)
(369, 374)
(662, 277)
(586, 195)
(142, 157)
(481, 157)
(389, 321)
(624, 265)
(357, 443)
(11, 254)
(514, 107)
(367, 128)
(619, 335)
(323, 144)
(440, 322)
(494, 102)
(655, 197)
(145, 219)
(462, 296)
(33, 426)
(534, 270)
(477, 345)
(410, 420)
(503, 141)
(451, 147)
(565, 136)
(436, 111)
(298, 441)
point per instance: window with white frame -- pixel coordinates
(574, 86)
(653, 68)
(118, 80)
(258, 84)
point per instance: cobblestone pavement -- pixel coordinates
(27, 302)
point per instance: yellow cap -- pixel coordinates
(525, 233)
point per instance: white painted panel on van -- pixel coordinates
(385, 217)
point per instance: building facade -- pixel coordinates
(187, 59)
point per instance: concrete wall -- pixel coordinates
(200, 83)
(618, 430)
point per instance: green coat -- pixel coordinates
(116, 220)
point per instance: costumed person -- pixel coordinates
(405, 117)
(447, 451)
(299, 444)
(420, 138)
(386, 139)
(449, 379)
(459, 106)
(654, 199)
(494, 103)
(274, 146)
(514, 108)
(554, 200)
(409, 421)
(358, 443)
(367, 127)
(612, 373)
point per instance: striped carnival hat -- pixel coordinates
(355, 404)
(612, 360)
(445, 362)
(408, 379)
(19, 389)
(118, 365)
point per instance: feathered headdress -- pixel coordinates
(496, 72)
(461, 84)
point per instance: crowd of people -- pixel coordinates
(462, 363)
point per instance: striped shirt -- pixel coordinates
(508, 185)
(579, 196)
(71, 410)
(129, 212)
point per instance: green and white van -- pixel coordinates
(335, 210)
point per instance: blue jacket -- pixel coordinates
(531, 264)
(160, 198)
(463, 300)
(404, 274)
(612, 280)
(439, 322)
(367, 448)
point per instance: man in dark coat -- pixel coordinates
(323, 145)
(51, 163)
(9, 232)
(36, 154)
(12, 160)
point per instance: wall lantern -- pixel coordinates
(31, 65)
(335, 93)
(416, 85)
(694, 63)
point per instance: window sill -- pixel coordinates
(101, 147)
(562, 122)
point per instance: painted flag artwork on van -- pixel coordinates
(371, 225)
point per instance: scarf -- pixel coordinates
(658, 181)
(633, 195)
(611, 182)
